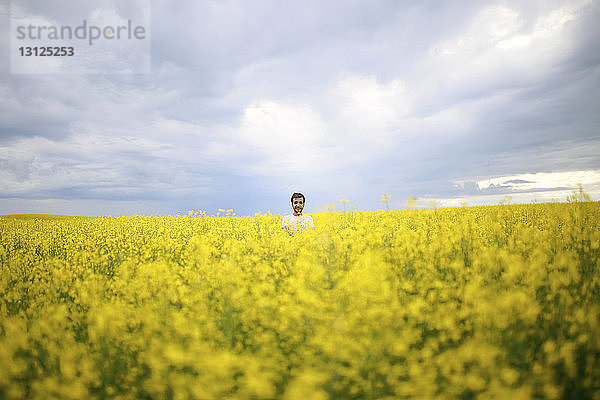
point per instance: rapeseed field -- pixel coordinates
(497, 302)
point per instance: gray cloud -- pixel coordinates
(339, 99)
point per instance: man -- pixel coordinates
(297, 221)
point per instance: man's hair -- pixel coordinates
(297, 195)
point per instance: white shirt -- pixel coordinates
(297, 223)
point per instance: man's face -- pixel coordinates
(298, 205)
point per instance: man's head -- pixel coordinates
(298, 203)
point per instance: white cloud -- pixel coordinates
(490, 26)
(359, 120)
(502, 48)
(94, 165)
(558, 195)
(543, 180)
(500, 27)
(524, 188)
(546, 27)
(366, 105)
(285, 138)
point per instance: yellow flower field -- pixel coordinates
(498, 302)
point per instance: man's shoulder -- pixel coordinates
(296, 217)
(289, 218)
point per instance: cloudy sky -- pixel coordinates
(245, 102)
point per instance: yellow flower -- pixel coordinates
(419, 303)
